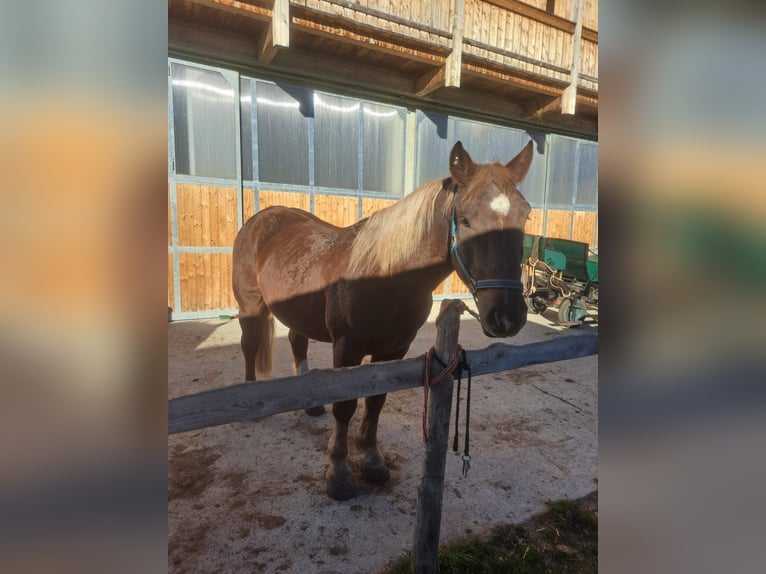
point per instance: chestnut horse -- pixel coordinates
(367, 288)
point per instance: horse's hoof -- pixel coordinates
(341, 489)
(376, 474)
(315, 411)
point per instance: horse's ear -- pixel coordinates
(461, 166)
(520, 164)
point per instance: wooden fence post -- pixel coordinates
(431, 488)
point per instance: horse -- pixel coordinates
(367, 288)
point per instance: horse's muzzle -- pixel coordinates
(503, 320)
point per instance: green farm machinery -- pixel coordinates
(562, 273)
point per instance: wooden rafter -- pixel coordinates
(278, 34)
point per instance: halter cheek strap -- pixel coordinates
(475, 284)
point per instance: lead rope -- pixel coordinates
(458, 365)
(463, 365)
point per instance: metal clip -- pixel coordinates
(466, 465)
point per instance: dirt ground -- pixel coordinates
(249, 497)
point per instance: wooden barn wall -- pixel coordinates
(204, 213)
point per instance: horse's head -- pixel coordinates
(486, 237)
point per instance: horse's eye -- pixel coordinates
(464, 222)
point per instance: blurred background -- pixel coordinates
(83, 179)
(683, 228)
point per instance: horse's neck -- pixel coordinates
(408, 237)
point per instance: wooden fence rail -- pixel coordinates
(256, 400)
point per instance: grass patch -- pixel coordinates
(562, 539)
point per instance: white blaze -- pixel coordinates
(500, 203)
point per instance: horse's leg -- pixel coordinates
(300, 346)
(340, 485)
(374, 467)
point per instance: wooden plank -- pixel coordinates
(206, 281)
(441, 289)
(428, 508)
(595, 232)
(257, 400)
(534, 224)
(337, 209)
(171, 292)
(582, 226)
(237, 8)
(371, 205)
(286, 198)
(277, 36)
(559, 223)
(456, 285)
(207, 215)
(534, 13)
(248, 204)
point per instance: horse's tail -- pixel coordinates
(255, 318)
(257, 342)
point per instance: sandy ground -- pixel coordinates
(249, 497)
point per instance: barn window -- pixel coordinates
(204, 122)
(336, 141)
(562, 171)
(245, 127)
(475, 139)
(433, 147)
(383, 149)
(587, 176)
(505, 143)
(283, 116)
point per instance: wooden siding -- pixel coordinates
(205, 280)
(171, 292)
(207, 215)
(371, 205)
(457, 287)
(337, 209)
(535, 222)
(286, 198)
(248, 204)
(559, 223)
(595, 233)
(582, 226)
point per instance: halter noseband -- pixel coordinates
(475, 284)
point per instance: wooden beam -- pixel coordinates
(278, 34)
(536, 112)
(454, 62)
(569, 97)
(430, 82)
(237, 8)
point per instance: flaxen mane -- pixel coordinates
(393, 235)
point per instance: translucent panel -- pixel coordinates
(561, 163)
(475, 139)
(204, 122)
(383, 149)
(283, 133)
(246, 127)
(587, 177)
(336, 141)
(433, 147)
(506, 143)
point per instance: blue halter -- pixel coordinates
(473, 284)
